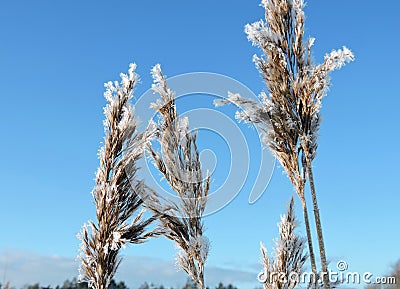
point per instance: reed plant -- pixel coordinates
(283, 271)
(289, 111)
(179, 163)
(118, 193)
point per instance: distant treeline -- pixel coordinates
(74, 284)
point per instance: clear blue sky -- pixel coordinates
(55, 57)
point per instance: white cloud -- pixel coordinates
(20, 268)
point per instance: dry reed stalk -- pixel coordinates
(283, 271)
(118, 194)
(180, 165)
(290, 113)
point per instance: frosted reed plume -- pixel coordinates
(180, 165)
(289, 255)
(118, 195)
(289, 113)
